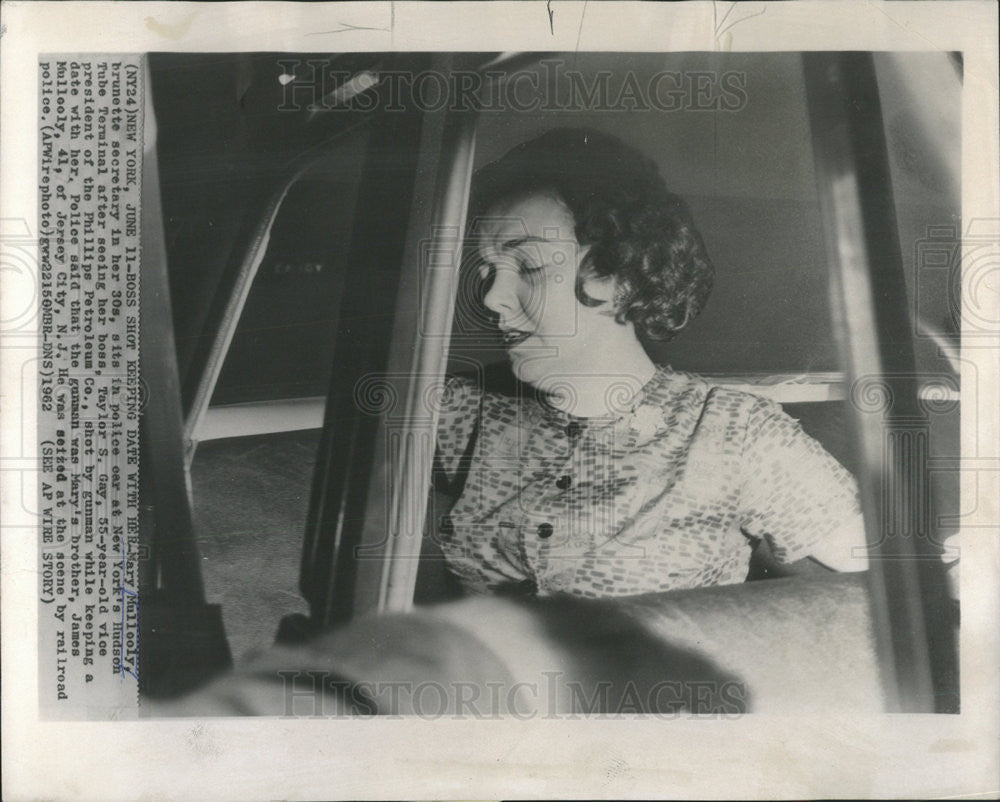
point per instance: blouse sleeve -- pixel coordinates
(458, 420)
(794, 493)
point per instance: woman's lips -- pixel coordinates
(512, 337)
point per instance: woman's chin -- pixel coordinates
(544, 378)
(530, 371)
(526, 376)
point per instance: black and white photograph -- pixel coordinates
(445, 333)
(442, 406)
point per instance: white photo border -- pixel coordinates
(753, 757)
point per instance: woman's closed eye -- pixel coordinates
(524, 267)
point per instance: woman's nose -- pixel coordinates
(502, 295)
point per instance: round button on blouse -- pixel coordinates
(563, 482)
(574, 429)
(545, 530)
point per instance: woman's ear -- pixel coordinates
(600, 289)
(605, 293)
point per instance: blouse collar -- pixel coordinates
(637, 421)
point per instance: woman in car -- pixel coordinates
(613, 475)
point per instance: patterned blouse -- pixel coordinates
(665, 495)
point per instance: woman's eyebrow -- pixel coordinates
(517, 243)
(509, 245)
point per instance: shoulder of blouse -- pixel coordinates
(733, 413)
(460, 391)
(463, 390)
(680, 388)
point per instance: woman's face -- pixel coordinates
(530, 259)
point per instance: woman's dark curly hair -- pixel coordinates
(638, 232)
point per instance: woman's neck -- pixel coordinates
(608, 387)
